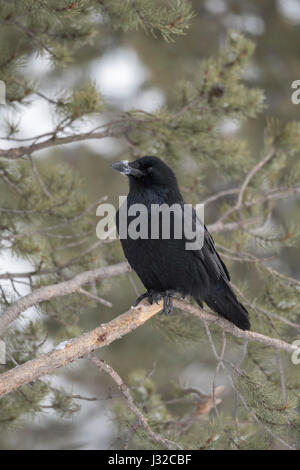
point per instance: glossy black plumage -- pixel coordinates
(165, 264)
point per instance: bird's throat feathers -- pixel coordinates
(154, 194)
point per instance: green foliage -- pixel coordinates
(26, 401)
(63, 404)
(48, 220)
(265, 399)
(151, 16)
(192, 126)
(145, 395)
(183, 329)
(84, 100)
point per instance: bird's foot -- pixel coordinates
(151, 295)
(168, 302)
(141, 297)
(154, 296)
(167, 297)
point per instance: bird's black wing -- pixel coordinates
(208, 254)
(218, 293)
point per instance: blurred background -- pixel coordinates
(135, 70)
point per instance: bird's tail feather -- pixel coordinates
(222, 300)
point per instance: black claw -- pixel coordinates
(154, 296)
(141, 297)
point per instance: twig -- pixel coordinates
(216, 196)
(103, 366)
(58, 290)
(252, 173)
(282, 379)
(95, 297)
(246, 182)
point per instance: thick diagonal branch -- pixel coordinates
(69, 351)
(117, 328)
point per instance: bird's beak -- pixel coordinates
(126, 168)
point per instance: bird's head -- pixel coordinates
(147, 172)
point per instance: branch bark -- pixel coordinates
(104, 335)
(69, 351)
(17, 152)
(58, 290)
(234, 330)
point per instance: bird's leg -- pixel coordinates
(168, 301)
(154, 296)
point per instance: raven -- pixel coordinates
(164, 265)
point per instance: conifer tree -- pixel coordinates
(48, 219)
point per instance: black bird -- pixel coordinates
(165, 266)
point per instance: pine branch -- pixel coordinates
(58, 290)
(234, 330)
(18, 152)
(252, 173)
(107, 333)
(75, 348)
(254, 170)
(256, 419)
(124, 389)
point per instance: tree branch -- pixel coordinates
(75, 348)
(105, 334)
(245, 184)
(103, 366)
(58, 290)
(234, 330)
(18, 152)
